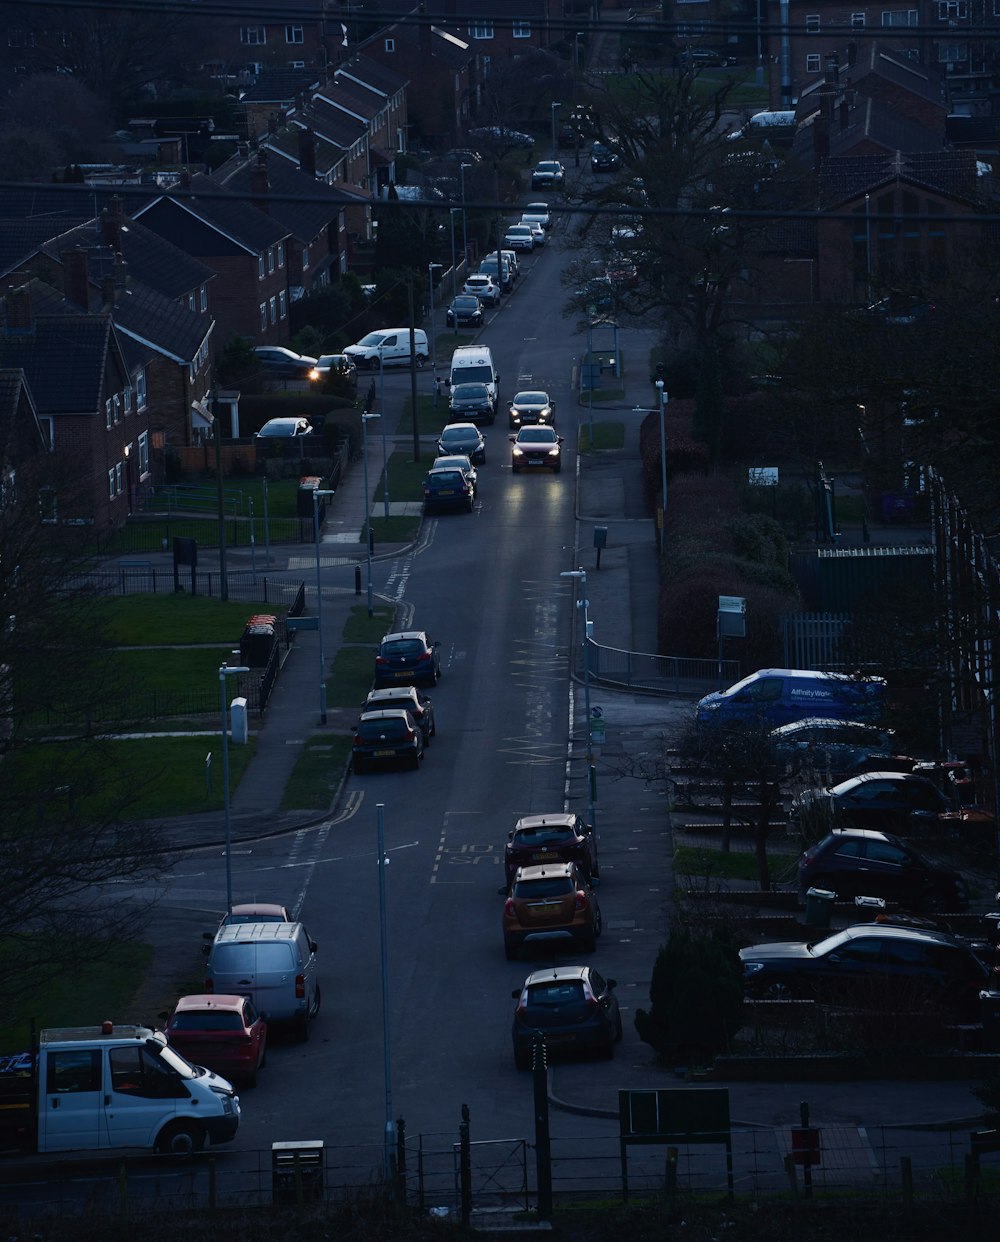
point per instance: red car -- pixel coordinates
(538, 839)
(223, 1033)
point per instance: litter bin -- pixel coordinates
(308, 484)
(297, 1171)
(989, 1009)
(819, 906)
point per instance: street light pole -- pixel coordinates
(381, 410)
(555, 105)
(454, 274)
(365, 420)
(383, 862)
(319, 605)
(226, 671)
(661, 391)
(584, 604)
(465, 235)
(430, 309)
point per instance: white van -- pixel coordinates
(274, 964)
(473, 364)
(389, 347)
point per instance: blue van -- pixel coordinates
(777, 696)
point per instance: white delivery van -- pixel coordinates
(473, 364)
(389, 347)
(274, 964)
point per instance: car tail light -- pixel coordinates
(425, 655)
(522, 1004)
(379, 659)
(508, 906)
(581, 899)
(300, 986)
(410, 735)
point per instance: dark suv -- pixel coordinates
(856, 862)
(386, 737)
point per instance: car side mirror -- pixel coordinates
(510, 835)
(612, 983)
(206, 949)
(552, 405)
(559, 439)
(512, 438)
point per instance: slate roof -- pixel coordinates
(923, 80)
(948, 172)
(351, 98)
(332, 124)
(20, 239)
(303, 205)
(240, 221)
(280, 87)
(156, 323)
(63, 359)
(152, 259)
(285, 146)
(372, 74)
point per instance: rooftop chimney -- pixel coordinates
(17, 305)
(76, 277)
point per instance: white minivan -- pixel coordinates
(274, 964)
(473, 364)
(389, 347)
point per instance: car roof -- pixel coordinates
(888, 931)
(265, 909)
(393, 692)
(555, 974)
(864, 834)
(543, 871)
(388, 638)
(902, 778)
(539, 821)
(464, 427)
(214, 1000)
(823, 722)
(386, 713)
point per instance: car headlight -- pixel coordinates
(554, 452)
(518, 452)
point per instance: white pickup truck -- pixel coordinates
(96, 1088)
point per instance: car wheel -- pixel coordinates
(619, 1033)
(263, 1056)
(181, 1139)
(421, 359)
(418, 756)
(316, 1003)
(522, 1058)
(373, 364)
(510, 948)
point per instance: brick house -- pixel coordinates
(245, 247)
(22, 444)
(91, 405)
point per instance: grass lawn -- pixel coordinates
(606, 436)
(351, 676)
(150, 777)
(155, 620)
(361, 628)
(406, 477)
(80, 997)
(317, 773)
(698, 861)
(180, 672)
(396, 529)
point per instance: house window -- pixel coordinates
(270, 258)
(274, 309)
(20, 38)
(293, 34)
(296, 64)
(111, 483)
(390, 45)
(190, 301)
(108, 414)
(283, 304)
(812, 62)
(48, 508)
(481, 30)
(48, 433)
(952, 10)
(8, 489)
(116, 403)
(305, 257)
(261, 271)
(143, 453)
(203, 297)
(263, 316)
(127, 398)
(899, 17)
(118, 478)
(812, 23)
(253, 36)
(281, 254)
(140, 390)
(521, 30)
(857, 21)
(952, 53)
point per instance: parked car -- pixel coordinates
(256, 912)
(409, 699)
(386, 736)
(573, 1007)
(550, 902)
(860, 862)
(339, 364)
(223, 1033)
(489, 267)
(458, 461)
(471, 403)
(559, 837)
(539, 212)
(482, 287)
(536, 230)
(532, 408)
(548, 174)
(519, 237)
(536, 448)
(285, 428)
(706, 57)
(603, 159)
(883, 800)
(494, 136)
(827, 744)
(448, 488)
(277, 362)
(274, 965)
(510, 258)
(407, 658)
(463, 438)
(870, 966)
(464, 308)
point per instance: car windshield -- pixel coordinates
(556, 886)
(468, 392)
(482, 374)
(531, 398)
(457, 437)
(536, 435)
(281, 427)
(373, 338)
(206, 1020)
(547, 166)
(555, 994)
(466, 303)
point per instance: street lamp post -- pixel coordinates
(465, 235)
(662, 393)
(225, 671)
(381, 410)
(584, 604)
(555, 105)
(454, 273)
(430, 309)
(319, 605)
(365, 420)
(383, 862)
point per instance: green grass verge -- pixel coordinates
(350, 676)
(406, 478)
(317, 773)
(186, 670)
(606, 436)
(80, 997)
(361, 628)
(155, 620)
(699, 861)
(396, 529)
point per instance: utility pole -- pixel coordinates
(217, 436)
(413, 367)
